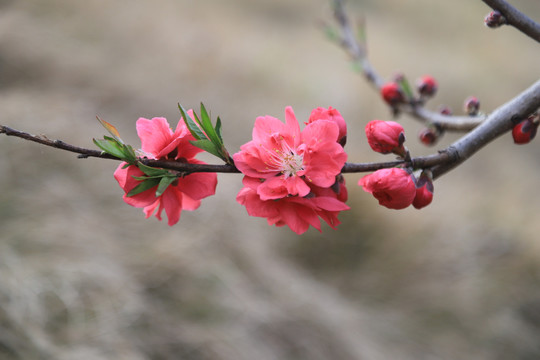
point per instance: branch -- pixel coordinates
(516, 18)
(358, 53)
(498, 123)
(416, 163)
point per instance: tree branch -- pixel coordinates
(516, 18)
(498, 123)
(358, 53)
(419, 162)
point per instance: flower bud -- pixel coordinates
(424, 190)
(525, 130)
(426, 86)
(386, 137)
(392, 93)
(445, 110)
(429, 136)
(333, 115)
(471, 105)
(394, 188)
(494, 19)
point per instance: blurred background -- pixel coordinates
(85, 276)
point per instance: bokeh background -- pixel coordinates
(85, 276)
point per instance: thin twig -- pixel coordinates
(419, 162)
(358, 54)
(516, 18)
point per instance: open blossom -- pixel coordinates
(331, 114)
(288, 160)
(385, 136)
(185, 193)
(394, 188)
(297, 212)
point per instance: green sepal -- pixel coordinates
(143, 186)
(164, 184)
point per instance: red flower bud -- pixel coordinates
(525, 130)
(471, 105)
(392, 94)
(494, 19)
(429, 136)
(424, 191)
(445, 110)
(394, 188)
(386, 137)
(426, 86)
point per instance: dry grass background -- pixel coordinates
(84, 276)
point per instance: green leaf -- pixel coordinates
(164, 184)
(406, 88)
(111, 129)
(111, 146)
(206, 124)
(218, 130)
(192, 126)
(131, 157)
(151, 171)
(208, 146)
(142, 187)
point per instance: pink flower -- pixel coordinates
(385, 137)
(185, 193)
(290, 160)
(331, 114)
(298, 213)
(394, 188)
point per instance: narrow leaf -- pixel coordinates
(218, 130)
(151, 171)
(192, 126)
(131, 157)
(164, 184)
(206, 124)
(110, 147)
(142, 187)
(208, 146)
(406, 88)
(111, 129)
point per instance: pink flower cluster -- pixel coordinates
(292, 176)
(185, 193)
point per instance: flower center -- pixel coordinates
(284, 159)
(291, 163)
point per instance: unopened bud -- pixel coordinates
(424, 190)
(445, 110)
(525, 130)
(429, 136)
(494, 19)
(392, 94)
(426, 86)
(386, 137)
(471, 105)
